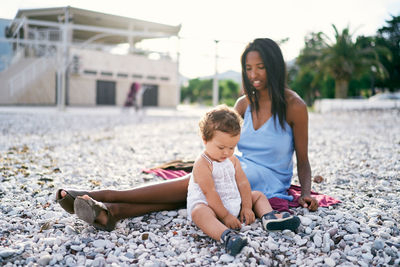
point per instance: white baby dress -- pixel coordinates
(223, 174)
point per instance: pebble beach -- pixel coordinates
(355, 153)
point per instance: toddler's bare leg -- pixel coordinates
(204, 217)
(261, 204)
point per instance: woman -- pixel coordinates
(275, 125)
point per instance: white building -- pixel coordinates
(62, 56)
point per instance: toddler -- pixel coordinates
(219, 196)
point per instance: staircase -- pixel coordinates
(30, 77)
(28, 81)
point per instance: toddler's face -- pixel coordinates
(221, 146)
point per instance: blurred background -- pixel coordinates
(90, 53)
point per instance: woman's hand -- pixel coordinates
(308, 202)
(247, 215)
(231, 222)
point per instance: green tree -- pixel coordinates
(303, 84)
(197, 91)
(365, 82)
(389, 36)
(200, 91)
(342, 59)
(304, 78)
(228, 92)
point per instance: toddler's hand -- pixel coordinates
(247, 215)
(232, 222)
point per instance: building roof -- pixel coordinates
(86, 24)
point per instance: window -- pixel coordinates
(138, 76)
(90, 72)
(106, 73)
(151, 77)
(123, 75)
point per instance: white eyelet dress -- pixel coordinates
(223, 174)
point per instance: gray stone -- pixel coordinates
(4, 253)
(329, 261)
(44, 260)
(378, 244)
(226, 258)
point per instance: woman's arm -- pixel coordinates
(246, 212)
(297, 117)
(202, 174)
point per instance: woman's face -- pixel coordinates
(255, 70)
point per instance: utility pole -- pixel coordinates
(178, 54)
(215, 81)
(62, 62)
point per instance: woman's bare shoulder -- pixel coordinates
(295, 105)
(241, 105)
(293, 100)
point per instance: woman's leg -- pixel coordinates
(172, 191)
(204, 217)
(128, 210)
(120, 211)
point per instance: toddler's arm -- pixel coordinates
(243, 185)
(202, 174)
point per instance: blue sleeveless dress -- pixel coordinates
(266, 156)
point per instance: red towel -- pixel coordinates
(166, 174)
(276, 203)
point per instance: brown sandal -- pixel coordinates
(67, 202)
(89, 209)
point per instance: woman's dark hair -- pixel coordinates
(276, 77)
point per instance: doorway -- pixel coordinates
(150, 95)
(105, 92)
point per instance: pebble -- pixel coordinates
(226, 258)
(40, 152)
(329, 261)
(378, 244)
(44, 260)
(306, 221)
(4, 253)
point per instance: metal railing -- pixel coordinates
(43, 55)
(28, 75)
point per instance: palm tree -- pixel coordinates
(342, 58)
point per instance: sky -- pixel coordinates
(233, 23)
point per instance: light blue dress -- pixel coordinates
(266, 156)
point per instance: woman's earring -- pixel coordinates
(254, 92)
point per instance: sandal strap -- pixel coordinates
(270, 215)
(92, 209)
(233, 242)
(67, 202)
(226, 235)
